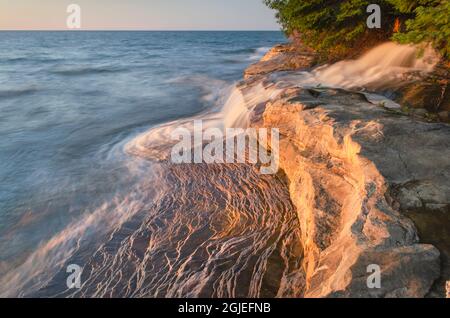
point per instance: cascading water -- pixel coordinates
(221, 230)
(205, 230)
(383, 66)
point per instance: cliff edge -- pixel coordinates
(357, 168)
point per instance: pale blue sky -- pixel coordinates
(139, 14)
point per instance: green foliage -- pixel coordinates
(331, 26)
(408, 6)
(430, 24)
(327, 26)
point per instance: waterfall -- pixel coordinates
(383, 66)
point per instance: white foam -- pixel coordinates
(383, 66)
(259, 53)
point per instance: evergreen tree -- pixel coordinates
(338, 27)
(429, 22)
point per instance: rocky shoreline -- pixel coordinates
(356, 171)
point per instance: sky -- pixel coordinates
(139, 15)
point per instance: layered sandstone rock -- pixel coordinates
(353, 166)
(282, 57)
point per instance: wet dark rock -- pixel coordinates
(422, 95)
(430, 92)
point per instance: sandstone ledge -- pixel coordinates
(353, 168)
(282, 57)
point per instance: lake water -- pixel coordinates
(70, 193)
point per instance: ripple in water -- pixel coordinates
(220, 230)
(215, 231)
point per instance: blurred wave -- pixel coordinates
(72, 192)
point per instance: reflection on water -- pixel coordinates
(212, 230)
(70, 193)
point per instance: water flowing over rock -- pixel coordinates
(414, 77)
(354, 165)
(364, 193)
